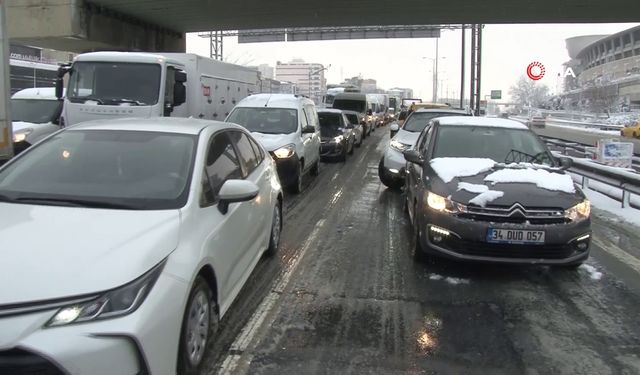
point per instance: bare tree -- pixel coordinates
(527, 92)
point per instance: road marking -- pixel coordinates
(619, 254)
(248, 333)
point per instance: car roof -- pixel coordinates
(47, 93)
(289, 101)
(441, 110)
(351, 96)
(157, 124)
(350, 112)
(480, 121)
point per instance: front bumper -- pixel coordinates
(467, 241)
(144, 342)
(394, 163)
(287, 169)
(329, 149)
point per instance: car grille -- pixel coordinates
(515, 214)
(508, 250)
(21, 362)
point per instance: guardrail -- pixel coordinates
(585, 151)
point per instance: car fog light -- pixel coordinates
(582, 246)
(439, 232)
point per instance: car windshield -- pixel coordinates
(104, 168)
(329, 124)
(114, 83)
(350, 105)
(503, 145)
(353, 118)
(266, 120)
(37, 111)
(419, 120)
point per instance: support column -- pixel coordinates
(462, 67)
(6, 141)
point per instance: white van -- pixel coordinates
(287, 126)
(35, 114)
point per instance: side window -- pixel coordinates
(304, 119)
(248, 158)
(257, 150)
(424, 138)
(312, 116)
(222, 164)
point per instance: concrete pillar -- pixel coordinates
(6, 140)
(79, 26)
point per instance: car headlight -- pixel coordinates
(21, 135)
(285, 151)
(579, 212)
(337, 139)
(399, 146)
(442, 204)
(111, 304)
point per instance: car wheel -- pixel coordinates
(276, 230)
(343, 156)
(417, 251)
(353, 146)
(315, 170)
(387, 180)
(199, 324)
(296, 187)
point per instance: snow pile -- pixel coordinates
(623, 119)
(591, 270)
(486, 197)
(472, 188)
(450, 168)
(542, 178)
(448, 279)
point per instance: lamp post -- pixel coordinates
(434, 63)
(315, 72)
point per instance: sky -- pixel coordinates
(507, 50)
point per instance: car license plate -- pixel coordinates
(515, 236)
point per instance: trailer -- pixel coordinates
(106, 85)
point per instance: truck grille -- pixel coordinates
(21, 362)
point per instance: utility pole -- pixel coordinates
(6, 138)
(462, 67)
(435, 76)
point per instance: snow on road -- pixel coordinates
(612, 206)
(593, 273)
(448, 279)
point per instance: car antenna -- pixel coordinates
(267, 103)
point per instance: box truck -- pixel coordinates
(104, 85)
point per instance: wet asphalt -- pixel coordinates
(345, 296)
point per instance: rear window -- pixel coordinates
(350, 105)
(352, 118)
(419, 120)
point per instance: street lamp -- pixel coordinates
(434, 62)
(312, 73)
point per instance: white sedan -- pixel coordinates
(124, 242)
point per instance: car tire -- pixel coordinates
(417, 251)
(353, 146)
(276, 230)
(315, 170)
(296, 186)
(343, 156)
(387, 180)
(200, 318)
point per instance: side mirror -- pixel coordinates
(234, 191)
(369, 112)
(59, 87)
(180, 76)
(565, 163)
(179, 93)
(412, 156)
(394, 128)
(308, 129)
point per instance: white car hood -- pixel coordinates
(51, 252)
(272, 142)
(409, 138)
(20, 125)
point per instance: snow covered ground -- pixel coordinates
(603, 202)
(611, 133)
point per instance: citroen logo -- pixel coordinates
(517, 210)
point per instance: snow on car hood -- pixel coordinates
(272, 142)
(482, 182)
(408, 138)
(20, 125)
(51, 252)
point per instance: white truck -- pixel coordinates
(106, 85)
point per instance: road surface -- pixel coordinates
(344, 296)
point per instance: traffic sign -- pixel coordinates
(496, 94)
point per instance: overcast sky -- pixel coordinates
(507, 50)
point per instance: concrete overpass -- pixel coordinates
(159, 25)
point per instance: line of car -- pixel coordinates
(127, 240)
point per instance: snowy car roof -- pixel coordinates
(481, 121)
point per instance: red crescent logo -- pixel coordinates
(533, 75)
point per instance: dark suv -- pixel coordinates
(488, 189)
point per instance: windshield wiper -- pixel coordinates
(85, 99)
(128, 101)
(76, 203)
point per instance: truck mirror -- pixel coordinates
(179, 93)
(369, 112)
(180, 76)
(59, 87)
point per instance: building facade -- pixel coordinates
(308, 78)
(607, 72)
